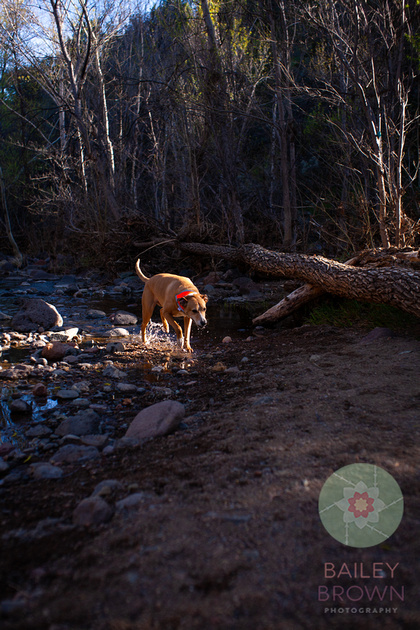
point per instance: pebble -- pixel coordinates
(117, 332)
(45, 470)
(233, 370)
(40, 390)
(95, 314)
(125, 443)
(71, 453)
(218, 367)
(63, 335)
(85, 422)
(106, 487)
(126, 387)
(81, 386)
(98, 441)
(67, 394)
(80, 403)
(123, 318)
(56, 350)
(92, 511)
(38, 430)
(20, 406)
(112, 372)
(131, 502)
(114, 346)
(227, 340)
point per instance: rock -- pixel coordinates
(212, 278)
(40, 391)
(38, 430)
(71, 453)
(85, 422)
(131, 502)
(95, 314)
(4, 317)
(233, 370)
(247, 287)
(123, 318)
(20, 406)
(63, 335)
(3, 465)
(112, 372)
(35, 314)
(227, 340)
(92, 511)
(71, 358)
(127, 387)
(218, 367)
(95, 440)
(159, 419)
(81, 403)
(160, 392)
(107, 487)
(126, 443)
(6, 448)
(81, 387)
(67, 394)
(114, 346)
(44, 470)
(117, 332)
(56, 350)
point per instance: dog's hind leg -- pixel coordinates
(148, 304)
(164, 321)
(167, 317)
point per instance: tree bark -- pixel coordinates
(307, 292)
(394, 285)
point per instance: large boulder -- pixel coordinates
(35, 314)
(159, 419)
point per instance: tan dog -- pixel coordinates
(178, 297)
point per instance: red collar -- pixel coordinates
(181, 295)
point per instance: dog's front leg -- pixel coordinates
(187, 332)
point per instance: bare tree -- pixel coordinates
(74, 36)
(370, 40)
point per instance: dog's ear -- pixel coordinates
(204, 298)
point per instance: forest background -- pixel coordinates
(291, 123)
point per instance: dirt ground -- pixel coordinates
(228, 535)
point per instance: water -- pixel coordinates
(233, 319)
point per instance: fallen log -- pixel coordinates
(394, 285)
(304, 294)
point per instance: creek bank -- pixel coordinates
(216, 523)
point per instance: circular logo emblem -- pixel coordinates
(361, 505)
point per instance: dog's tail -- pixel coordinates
(139, 272)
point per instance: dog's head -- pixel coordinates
(194, 307)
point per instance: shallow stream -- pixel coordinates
(225, 319)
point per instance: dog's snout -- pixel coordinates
(202, 323)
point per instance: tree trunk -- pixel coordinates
(395, 286)
(8, 225)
